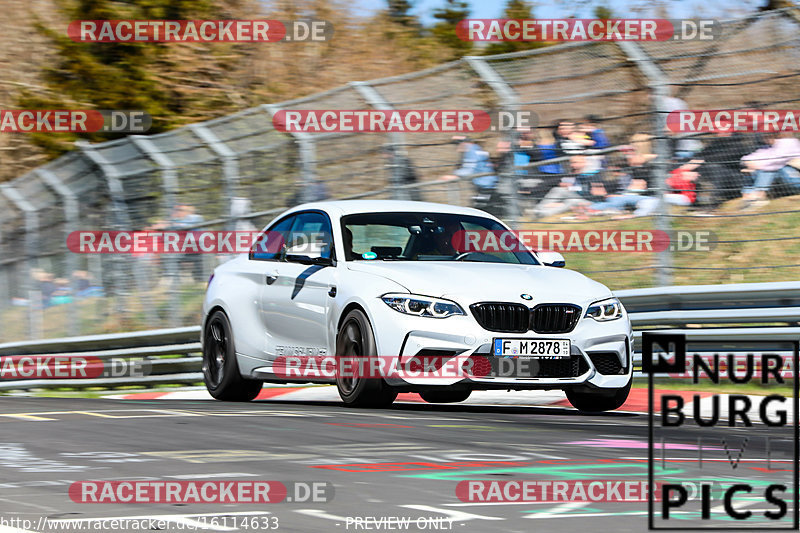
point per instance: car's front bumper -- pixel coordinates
(461, 337)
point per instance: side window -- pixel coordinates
(271, 243)
(311, 236)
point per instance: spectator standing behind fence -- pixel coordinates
(682, 182)
(240, 207)
(313, 191)
(62, 293)
(185, 218)
(549, 174)
(681, 148)
(474, 160)
(591, 129)
(780, 159)
(514, 157)
(402, 172)
(636, 192)
(569, 139)
(573, 192)
(719, 166)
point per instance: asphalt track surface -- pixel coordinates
(392, 464)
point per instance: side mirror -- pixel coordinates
(551, 259)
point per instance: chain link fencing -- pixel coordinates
(237, 172)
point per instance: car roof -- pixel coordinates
(350, 207)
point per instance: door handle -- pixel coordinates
(272, 277)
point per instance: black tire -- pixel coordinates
(220, 370)
(445, 396)
(355, 339)
(596, 402)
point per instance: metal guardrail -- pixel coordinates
(155, 350)
(735, 312)
(748, 311)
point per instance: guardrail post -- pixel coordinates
(71, 213)
(35, 320)
(308, 158)
(170, 182)
(507, 184)
(658, 83)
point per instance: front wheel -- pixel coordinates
(595, 402)
(445, 396)
(220, 370)
(355, 340)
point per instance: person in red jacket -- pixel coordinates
(683, 184)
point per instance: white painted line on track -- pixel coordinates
(450, 514)
(559, 511)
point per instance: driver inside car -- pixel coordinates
(438, 240)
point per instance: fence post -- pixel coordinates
(396, 140)
(308, 157)
(508, 184)
(122, 220)
(169, 178)
(71, 213)
(230, 162)
(658, 83)
(35, 323)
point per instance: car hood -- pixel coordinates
(472, 282)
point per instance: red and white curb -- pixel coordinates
(329, 394)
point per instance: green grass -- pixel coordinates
(741, 255)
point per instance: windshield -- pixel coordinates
(421, 237)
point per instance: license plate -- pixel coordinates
(538, 348)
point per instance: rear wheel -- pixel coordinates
(220, 370)
(595, 402)
(445, 396)
(355, 340)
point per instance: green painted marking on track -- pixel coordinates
(565, 471)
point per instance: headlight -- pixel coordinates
(604, 310)
(422, 305)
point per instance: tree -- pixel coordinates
(399, 12)
(518, 10)
(117, 76)
(603, 12)
(453, 12)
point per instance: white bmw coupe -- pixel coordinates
(383, 283)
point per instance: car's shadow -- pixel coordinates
(457, 408)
